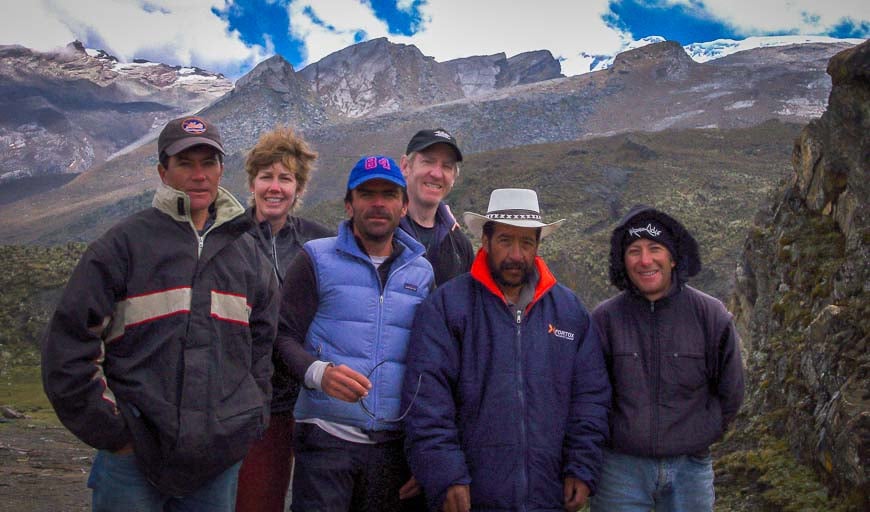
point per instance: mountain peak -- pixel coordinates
(275, 73)
(668, 59)
(76, 46)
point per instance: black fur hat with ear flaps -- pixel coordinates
(687, 257)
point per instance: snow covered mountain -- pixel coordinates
(703, 52)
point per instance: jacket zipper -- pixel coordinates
(521, 400)
(656, 371)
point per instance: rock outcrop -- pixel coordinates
(802, 301)
(379, 77)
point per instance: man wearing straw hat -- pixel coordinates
(506, 382)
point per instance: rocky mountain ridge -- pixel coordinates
(652, 88)
(378, 77)
(802, 302)
(65, 111)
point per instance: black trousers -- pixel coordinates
(333, 475)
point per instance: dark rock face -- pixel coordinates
(379, 77)
(803, 292)
(271, 94)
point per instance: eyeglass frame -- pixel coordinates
(371, 415)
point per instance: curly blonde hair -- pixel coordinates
(282, 145)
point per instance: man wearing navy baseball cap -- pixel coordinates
(347, 307)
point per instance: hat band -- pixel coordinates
(514, 215)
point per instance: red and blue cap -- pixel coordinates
(375, 167)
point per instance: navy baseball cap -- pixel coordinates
(375, 167)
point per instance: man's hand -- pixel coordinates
(458, 499)
(344, 383)
(410, 489)
(576, 492)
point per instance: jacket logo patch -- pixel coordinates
(559, 333)
(411, 287)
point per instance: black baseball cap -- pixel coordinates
(186, 132)
(425, 138)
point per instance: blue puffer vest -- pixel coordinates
(360, 325)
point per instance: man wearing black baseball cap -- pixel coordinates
(431, 166)
(159, 353)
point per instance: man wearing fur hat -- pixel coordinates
(505, 379)
(674, 361)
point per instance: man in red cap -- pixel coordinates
(159, 353)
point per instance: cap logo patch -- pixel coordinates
(193, 125)
(373, 163)
(649, 228)
(442, 134)
(559, 333)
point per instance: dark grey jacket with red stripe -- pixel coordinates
(163, 339)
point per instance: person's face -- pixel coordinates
(376, 208)
(430, 174)
(196, 172)
(274, 190)
(511, 254)
(649, 265)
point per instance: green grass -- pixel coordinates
(21, 384)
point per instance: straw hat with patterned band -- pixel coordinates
(514, 207)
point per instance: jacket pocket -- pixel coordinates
(684, 371)
(628, 373)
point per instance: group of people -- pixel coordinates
(213, 353)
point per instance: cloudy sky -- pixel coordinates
(231, 36)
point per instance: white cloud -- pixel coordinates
(404, 5)
(179, 32)
(759, 17)
(187, 32)
(344, 19)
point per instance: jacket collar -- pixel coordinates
(346, 242)
(480, 271)
(176, 204)
(445, 222)
(265, 227)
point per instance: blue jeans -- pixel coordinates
(118, 485)
(666, 484)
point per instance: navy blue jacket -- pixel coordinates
(509, 407)
(451, 253)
